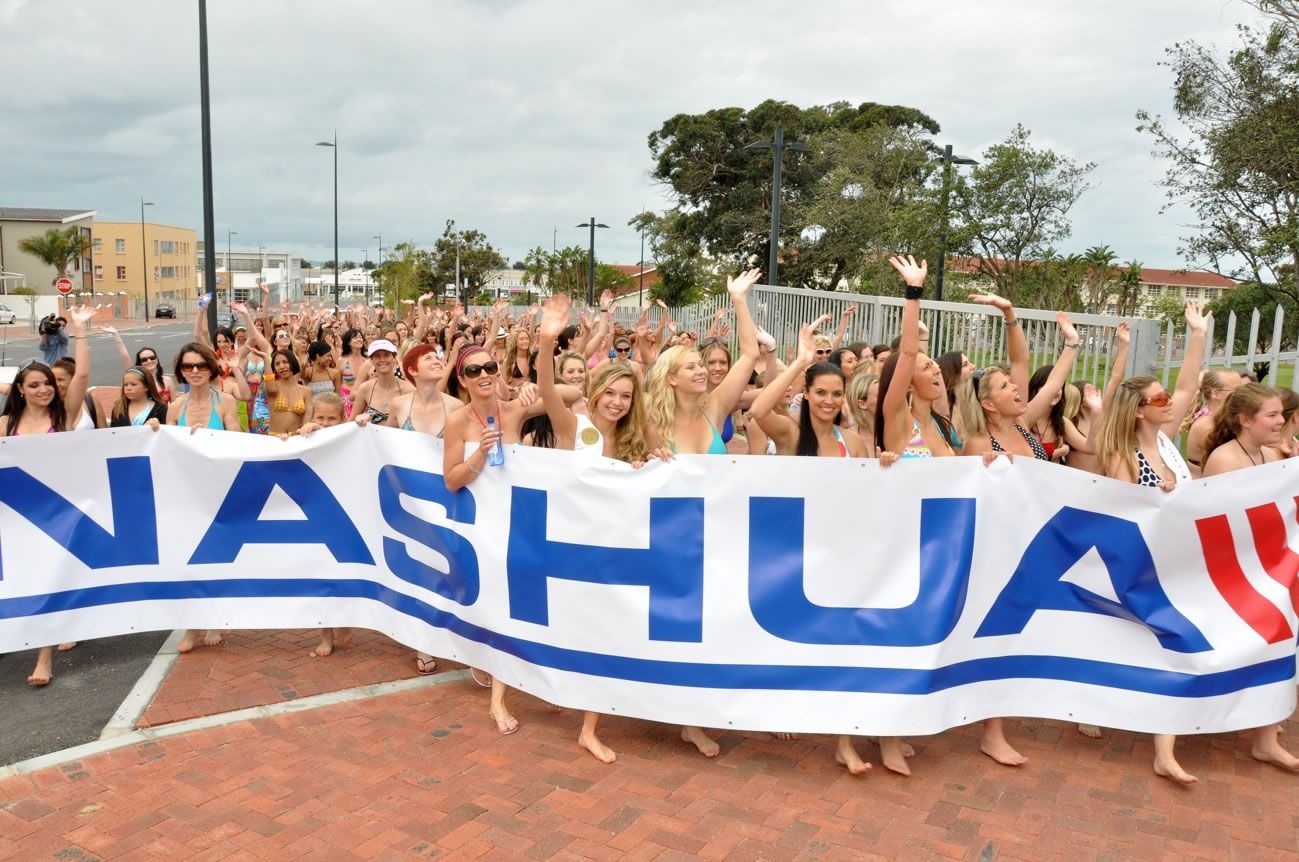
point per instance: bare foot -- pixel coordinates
(1170, 768)
(696, 736)
(43, 672)
(893, 754)
(846, 755)
(425, 663)
(994, 745)
(1090, 730)
(67, 646)
(592, 743)
(907, 750)
(212, 637)
(188, 641)
(326, 645)
(780, 734)
(505, 722)
(342, 638)
(1268, 749)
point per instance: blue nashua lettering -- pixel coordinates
(460, 581)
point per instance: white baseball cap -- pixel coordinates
(381, 344)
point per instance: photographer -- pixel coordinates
(54, 341)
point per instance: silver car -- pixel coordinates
(7, 315)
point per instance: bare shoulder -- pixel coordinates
(979, 445)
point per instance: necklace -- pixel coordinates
(1257, 463)
(481, 420)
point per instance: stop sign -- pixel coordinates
(64, 285)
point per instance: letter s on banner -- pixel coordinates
(1061, 543)
(134, 541)
(460, 581)
(778, 598)
(672, 566)
(238, 522)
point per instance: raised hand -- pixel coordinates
(723, 330)
(766, 341)
(806, 349)
(1196, 319)
(500, 305)
(719, 314)
(111, 330)
(661, 304)
(606, 299)
(1066, 327)
(998, 302)
(425, 297)
(554, 317)
(1122, 333)
(80, 315)
(912, 273)
(739, 286)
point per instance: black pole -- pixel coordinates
(590, 286)
(778, 156)
(209, 222)
(144, 261)
(335, 221)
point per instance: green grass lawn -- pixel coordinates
(1099, 375)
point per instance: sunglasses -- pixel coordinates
(194, 366)
(1163, 399)
(148, 359)
(470, 372)
(823, 351)
(622, 350)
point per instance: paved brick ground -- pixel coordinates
(424, 775)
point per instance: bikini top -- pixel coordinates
(281, 405)
(716, 446)
(406, 423)
(1038, 452)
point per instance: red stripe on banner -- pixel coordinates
(1225, 572)
(1281, 563)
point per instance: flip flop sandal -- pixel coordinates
(474, 672)
(426, 666)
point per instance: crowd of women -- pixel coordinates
(635, 394)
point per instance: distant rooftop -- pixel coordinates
(37, 214)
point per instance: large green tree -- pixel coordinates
(477, 258)
(407, 273)
(1012, 207)
(57, 248)
(1233, 153)
(721, 191)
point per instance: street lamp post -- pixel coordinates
(209, 220)
(590, 285)
(947, 161)
(778, 147)
(640, 297)
(144, 257)
(379, 237)
(334, 147)
(230, 268)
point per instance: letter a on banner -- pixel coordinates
(1061, 543)
(130, 488)
(779, 601)
(238, 522)
(672, 566)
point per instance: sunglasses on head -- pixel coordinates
(1163, 399)
(469, 372)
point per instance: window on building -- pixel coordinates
(97, 246)
(168, 247)
(121, 273)
(169, 272)
(1192, 293)
(1154, 289)
(99, 272)
(119, 246)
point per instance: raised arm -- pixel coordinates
(1188, 379)
(121, 346)
(1040, 406)
(1016, 343)
(843, 326)
(78, 317)
(897, 414)
(200, 327)
(255, 337)
(554, 318)
(728, 392)
(1119, 365)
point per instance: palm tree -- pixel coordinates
(1099, 281)
(56, 248)
(1130, 288)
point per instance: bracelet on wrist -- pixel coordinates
(1074, 346)
(471, 467)
(914, 292)
(1014, 321)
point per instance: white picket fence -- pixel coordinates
(1173, 346)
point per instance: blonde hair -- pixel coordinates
(1072, 402)
(1245, 400)
(1211, 382)
(969, 406)
(629, 433)
(858, 390)
(327, 398)
(661, 396)
(1116, 439)
(568, 355)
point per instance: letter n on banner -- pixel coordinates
(672, 566)
(779, 599)
(1061, 543)
(134, 541)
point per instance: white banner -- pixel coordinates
(795, 594)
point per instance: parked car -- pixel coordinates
(165, 311)
(7, 315)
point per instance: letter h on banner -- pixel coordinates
(672, 566)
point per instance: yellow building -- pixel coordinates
(167, 256)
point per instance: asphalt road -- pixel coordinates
(89, 685)
(105, 364)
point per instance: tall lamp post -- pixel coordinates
(379, 237)
(209, 220)
(947, 161)
(144, 257)
(334, 147)
(778, 147)
(230, 267)
(590, 285)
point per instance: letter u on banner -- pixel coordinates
(779, 601)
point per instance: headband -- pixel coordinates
(137, 371)
(464, 353)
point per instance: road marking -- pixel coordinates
(141, 694)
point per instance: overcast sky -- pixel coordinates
(514, 116)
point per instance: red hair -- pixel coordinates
(412, 358)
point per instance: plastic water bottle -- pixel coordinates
(495, 455)
(204, 300)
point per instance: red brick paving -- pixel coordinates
(423, 775)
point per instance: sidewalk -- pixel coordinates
(423, 774)
(22, 331)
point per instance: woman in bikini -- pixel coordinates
(350, 363)
(684, 419)
(35, 406)
(203, 406)
(1133, 445)
(321, 376)
(1215, 386)
(376, 394)
(288, 399)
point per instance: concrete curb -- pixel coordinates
(142, 693)
(148, 734)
